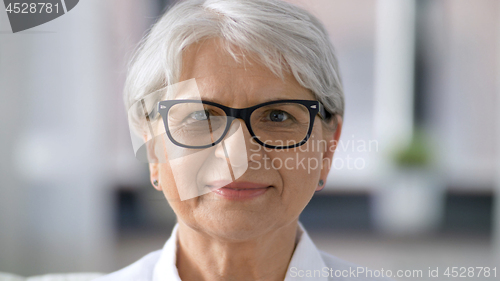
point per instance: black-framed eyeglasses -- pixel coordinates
(279, 124)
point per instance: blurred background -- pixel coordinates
(413, 184)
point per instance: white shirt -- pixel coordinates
(307, 263)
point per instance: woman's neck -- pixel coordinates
(205, 258)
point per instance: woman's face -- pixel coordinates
(287, 188)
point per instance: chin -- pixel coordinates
(241, 226)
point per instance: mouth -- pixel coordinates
(241, 190)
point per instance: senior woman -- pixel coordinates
(259, 82)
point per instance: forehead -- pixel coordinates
(238, 83)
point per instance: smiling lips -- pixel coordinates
(241, 190)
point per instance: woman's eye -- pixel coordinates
(200, 115)
(278, 116)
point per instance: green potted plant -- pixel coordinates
(411, 202)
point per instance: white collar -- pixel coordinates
(305, 255)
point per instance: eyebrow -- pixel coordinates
(209, 99)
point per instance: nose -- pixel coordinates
(234, 146)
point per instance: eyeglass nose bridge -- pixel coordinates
(239, 113)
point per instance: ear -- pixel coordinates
(153, 162)
(332, 139)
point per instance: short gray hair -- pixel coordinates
(283, 36)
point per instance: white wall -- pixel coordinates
(63, 132)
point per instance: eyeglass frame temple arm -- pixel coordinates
(321, 111)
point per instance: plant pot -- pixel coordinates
(410, 203)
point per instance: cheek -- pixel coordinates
(299, 172)
(181, 170)
(168, 183)
(300, 168)
(302, 164)
(182, 209)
